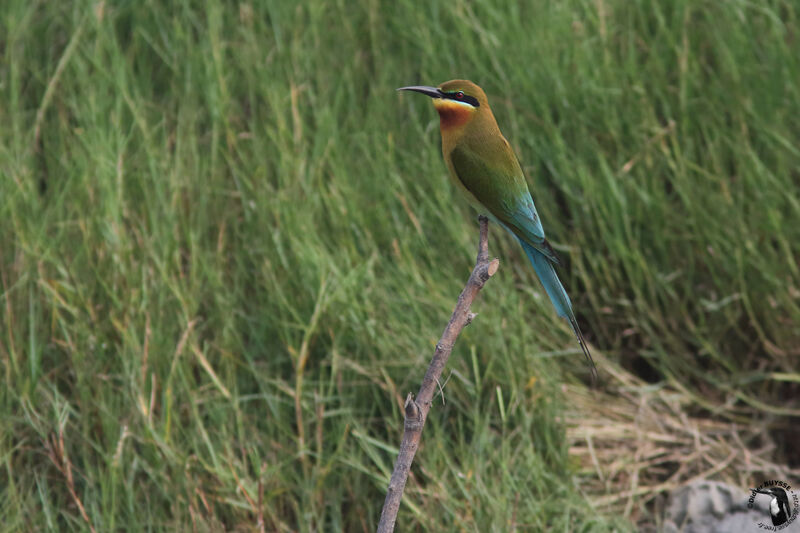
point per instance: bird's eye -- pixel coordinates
(460, 95)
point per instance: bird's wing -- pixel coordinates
(505, 194)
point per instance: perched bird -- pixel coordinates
(483, 166)
(778, 505)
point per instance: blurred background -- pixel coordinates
(228, 247)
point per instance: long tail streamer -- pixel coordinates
(558, 296)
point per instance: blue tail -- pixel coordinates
(558, 296)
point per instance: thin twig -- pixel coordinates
(416, 411)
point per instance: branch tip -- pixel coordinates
(483, 240)
(493, 266)
(411, 408)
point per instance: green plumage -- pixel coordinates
(483, 166)
(501, 189)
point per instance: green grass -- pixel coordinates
(228, 247)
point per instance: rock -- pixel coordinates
(714, 507)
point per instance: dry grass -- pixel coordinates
(636, 442)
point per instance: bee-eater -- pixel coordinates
(485, 169)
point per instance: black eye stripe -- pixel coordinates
(461, 96)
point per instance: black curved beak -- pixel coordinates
(433, 92)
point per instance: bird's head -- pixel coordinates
(772, 491)
(458, 102)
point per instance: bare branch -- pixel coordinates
(416, 410)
